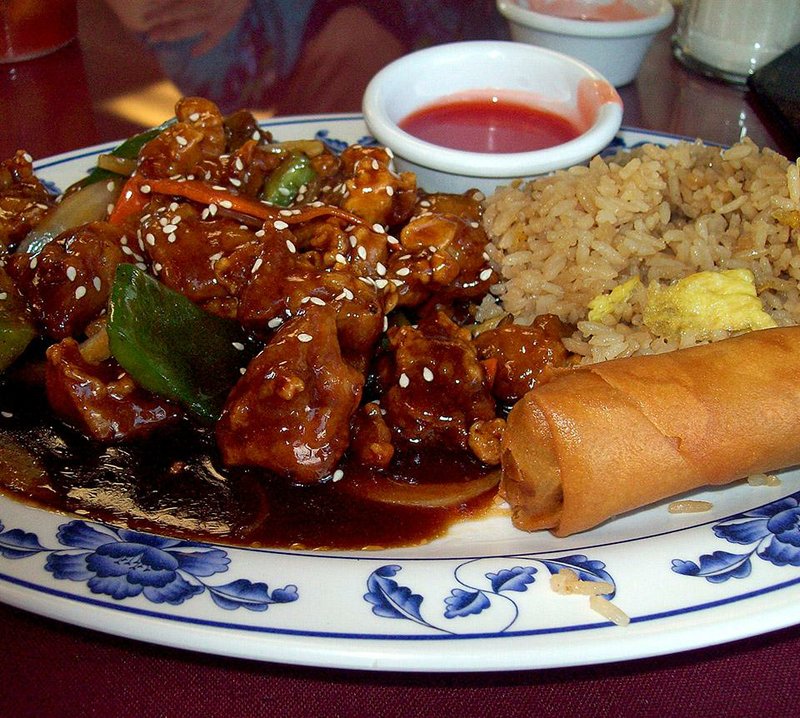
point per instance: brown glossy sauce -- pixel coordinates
(175, 484)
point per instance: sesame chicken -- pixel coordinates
(101, 399)
(24, 200)
(291, 410)
(349, 297)
(67, 284)
(434, 386)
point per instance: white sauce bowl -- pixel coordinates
(615, 48)
(554, 82)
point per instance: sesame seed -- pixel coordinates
(256, 135)
(242, 370)
(389, 190)
(194, 116)
(378, 228)
(150, 239)
(145, 189)
(157, 267)
(485, 274)
(403, 381)
(126, 249)
(110, 186)
(381, 283)
(212, 209)
(392, 240)
(235, 182)
(353, 240)
(348, 294)
(238, 164)
(172, 237)
(427, 374)
(27, 157)
(337, 475)
(237, 345)
(142, 266)
(380, 269)
(226, 203)
(80, 292)
(367, 190)
(96, 283)
(261, 233)
(3, 295)
(257, 265)
(366, 281)
(182, 141)
(375, 164)
(168, 228)
(305, 338)
(340, 258)
(274, 323)
(316, 300)
(34, 261)
(290, 246)
(403, 272)
(385, 323)
(280, 224)
(72, 273)
(109, 208)
(362, 251)
(214, 258)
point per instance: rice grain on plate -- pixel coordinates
(658, 214)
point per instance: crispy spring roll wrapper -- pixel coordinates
(603, 439)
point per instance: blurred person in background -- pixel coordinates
(295, 56)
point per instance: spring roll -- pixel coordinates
(599, 440)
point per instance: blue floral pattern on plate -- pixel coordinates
(121, 563)
(773, 531)
(389, 599)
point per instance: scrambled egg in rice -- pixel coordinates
(701, 303)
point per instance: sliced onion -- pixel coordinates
(88, 204)
(19, 469)
(310, 148)
(386, 490)
(117, 165)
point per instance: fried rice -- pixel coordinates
(657, 213)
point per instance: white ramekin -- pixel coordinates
(555, 82)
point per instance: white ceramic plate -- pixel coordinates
(476, 600)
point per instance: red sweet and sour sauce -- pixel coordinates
(489, 124)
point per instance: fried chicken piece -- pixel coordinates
(434, 385)
(520, 354)
(24, 200)
(291, 411)
(67, 284)
(101, 399)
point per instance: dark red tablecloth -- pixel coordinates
(48, 669)
(52, 669)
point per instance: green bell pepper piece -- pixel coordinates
(16, 328)
(172, 347)
(287, 178)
